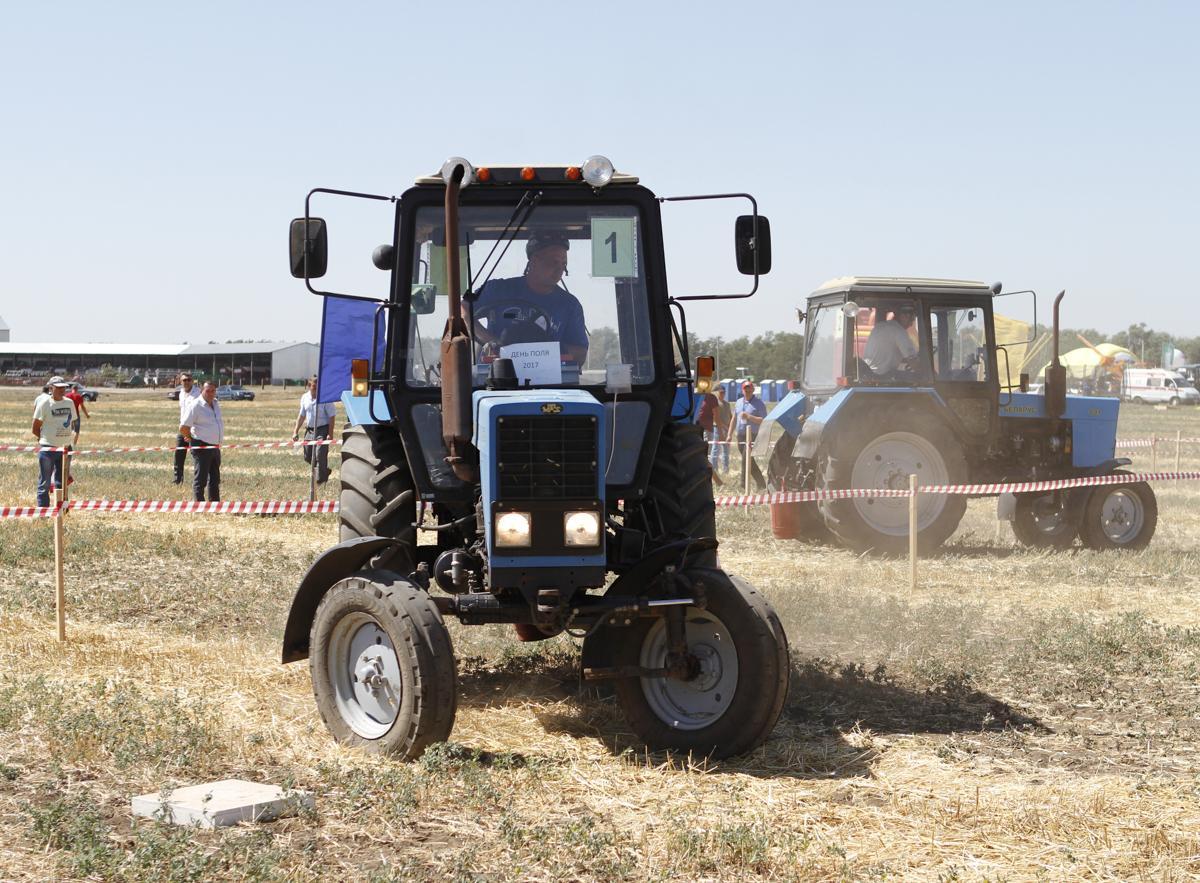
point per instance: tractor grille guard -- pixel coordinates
(547, 457)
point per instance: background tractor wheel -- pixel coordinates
(679, 497)
(882, 451)
(378, 497)
(382, 665)
(733, 703)
(1119, 516)
(1046, 521)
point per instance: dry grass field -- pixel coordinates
(1022, 715)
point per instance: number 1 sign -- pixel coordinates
(613, 251)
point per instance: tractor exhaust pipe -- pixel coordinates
(456, 350)
(1056, 374)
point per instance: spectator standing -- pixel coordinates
(707, 418)
(188, 393)
(720, 447)
(318, 417)
(203, 430)
(54, 417)
(748, 414)
(76, 398)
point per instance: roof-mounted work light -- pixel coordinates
(598, 170)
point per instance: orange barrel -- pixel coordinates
(785, 520)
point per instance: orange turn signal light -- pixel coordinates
(705, 366)
(360, 370)
(483, 175)
(574, 173)
(528, 174)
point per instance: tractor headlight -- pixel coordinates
(581, 528)
(598, 170)
(513, 529)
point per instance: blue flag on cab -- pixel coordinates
(346, 325)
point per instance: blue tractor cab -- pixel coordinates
(905, 376)
(527, 409)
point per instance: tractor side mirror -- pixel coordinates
(423, 298)
(750, 243)
(308, 243)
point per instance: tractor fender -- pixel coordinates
(596, 649)
(333, 564)
(789, 415)
(844, 405)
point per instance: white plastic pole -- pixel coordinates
(60, 590)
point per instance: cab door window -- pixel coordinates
(960, 344)
(824, 351)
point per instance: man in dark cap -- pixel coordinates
(534, 307)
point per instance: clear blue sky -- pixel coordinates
(153, 158)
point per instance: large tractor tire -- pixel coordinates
(382, 665)
(881, 450)
(1119, 516)
(378, 497)
(733, 702)
(679, 498)
(1047, 521)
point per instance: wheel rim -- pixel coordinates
(887, 462)
(1047, 516)
(1122, 516)
(365, 674)
(699, 702)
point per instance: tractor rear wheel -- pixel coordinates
(1119, 516)
(1046, 521)
(679, 498)
(382, 665)
(378, 497)
(740, 652)
(881, 451)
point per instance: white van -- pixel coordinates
(1158, 385)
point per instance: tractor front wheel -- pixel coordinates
(1119, 516)
(739, 657)
(1046, 521)
(382, 665)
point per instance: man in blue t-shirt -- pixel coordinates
(534, 307)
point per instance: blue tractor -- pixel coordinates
(524, 452)
(904, 376)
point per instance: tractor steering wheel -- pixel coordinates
(534, 327)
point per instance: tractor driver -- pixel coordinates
(534, 307)
(890, 348)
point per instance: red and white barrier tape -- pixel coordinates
(243, 507)
(959, 489)
(139, 450)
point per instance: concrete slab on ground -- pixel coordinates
(216, 804)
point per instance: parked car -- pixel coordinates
(89, 395)
(234, 393)
(174, 394)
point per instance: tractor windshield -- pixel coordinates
(560, 290)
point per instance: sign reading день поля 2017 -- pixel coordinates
(613, 247)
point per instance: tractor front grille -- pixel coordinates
(547, 457)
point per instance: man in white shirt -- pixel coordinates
(54, 417)
(318, 416)
(890, 348)
(188, 393)
(203, 429)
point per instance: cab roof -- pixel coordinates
(901, 285)
(547, 173)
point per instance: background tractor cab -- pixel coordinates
(884, 396)
(530, 410)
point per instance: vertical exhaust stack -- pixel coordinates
(456, 349)
(1056, 374)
